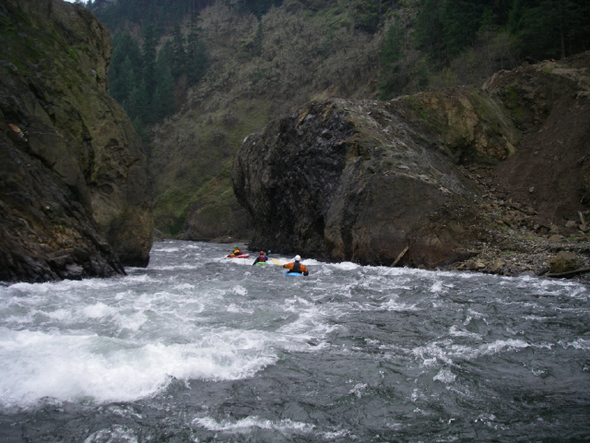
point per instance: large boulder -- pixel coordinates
(75, 191)
(355, 180)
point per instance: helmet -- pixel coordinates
(236, 247)
(297, 258)
(261, 252)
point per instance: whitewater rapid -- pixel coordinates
(199, 347)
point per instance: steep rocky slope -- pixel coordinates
(462, 178)
(260, 68)
(74, 186)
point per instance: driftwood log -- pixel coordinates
(401, 254)
(568, 273)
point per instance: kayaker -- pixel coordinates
(236, 252)
(296, 266)
(261, 258)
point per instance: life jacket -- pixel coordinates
(295, 267)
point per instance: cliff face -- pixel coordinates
(377, 182)
(75, 191)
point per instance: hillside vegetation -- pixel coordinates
(196, 77)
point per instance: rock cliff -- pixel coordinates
(74, 185)
(428, 180)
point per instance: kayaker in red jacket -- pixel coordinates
(261, 258)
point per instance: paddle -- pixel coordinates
(276, 262)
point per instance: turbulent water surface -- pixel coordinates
(199, 348)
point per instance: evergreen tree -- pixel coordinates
(460, 21)
(429, 31)
(553, 28)
(163, 99)
(445, 28)
(197, 55)
(257, 7)
(126, 67)
(179, 58)
(149, 58)
(138, 106)
(391, 81)
(258, 39)
(122, 81)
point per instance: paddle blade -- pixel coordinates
(276, 262)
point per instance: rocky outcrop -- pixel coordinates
(353, 180)
(401, 182)
(75, 192)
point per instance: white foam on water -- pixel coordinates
(247, 424)
(501, 346)
(580, 343)
(116, 433)
(394, 305)
(308, 262)
(182, 266)
(432, 353)
(343, 266)
(165, 249)
(455, 332)
(334, 435)
(183, 287)
(239, 309)
(445, 376)
(239, 290)
(550, 287)
(308, 325)
(35, 365)
(98, 310)
(446, 352)
(91, 314)
(437, 287)
(358, 389)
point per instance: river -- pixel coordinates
(201, 348)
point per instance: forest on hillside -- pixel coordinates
(198, 76)
(422, 43)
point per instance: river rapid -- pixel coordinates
(200, 348)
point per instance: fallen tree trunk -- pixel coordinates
(568, 273)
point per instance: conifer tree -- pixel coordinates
(126, 68)
(178, 52)
(138, 105)
(163, 99)
(149, 58)
(197, 55)
(391, 54)
(554, 28)
(429, 31)
(257, 7)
